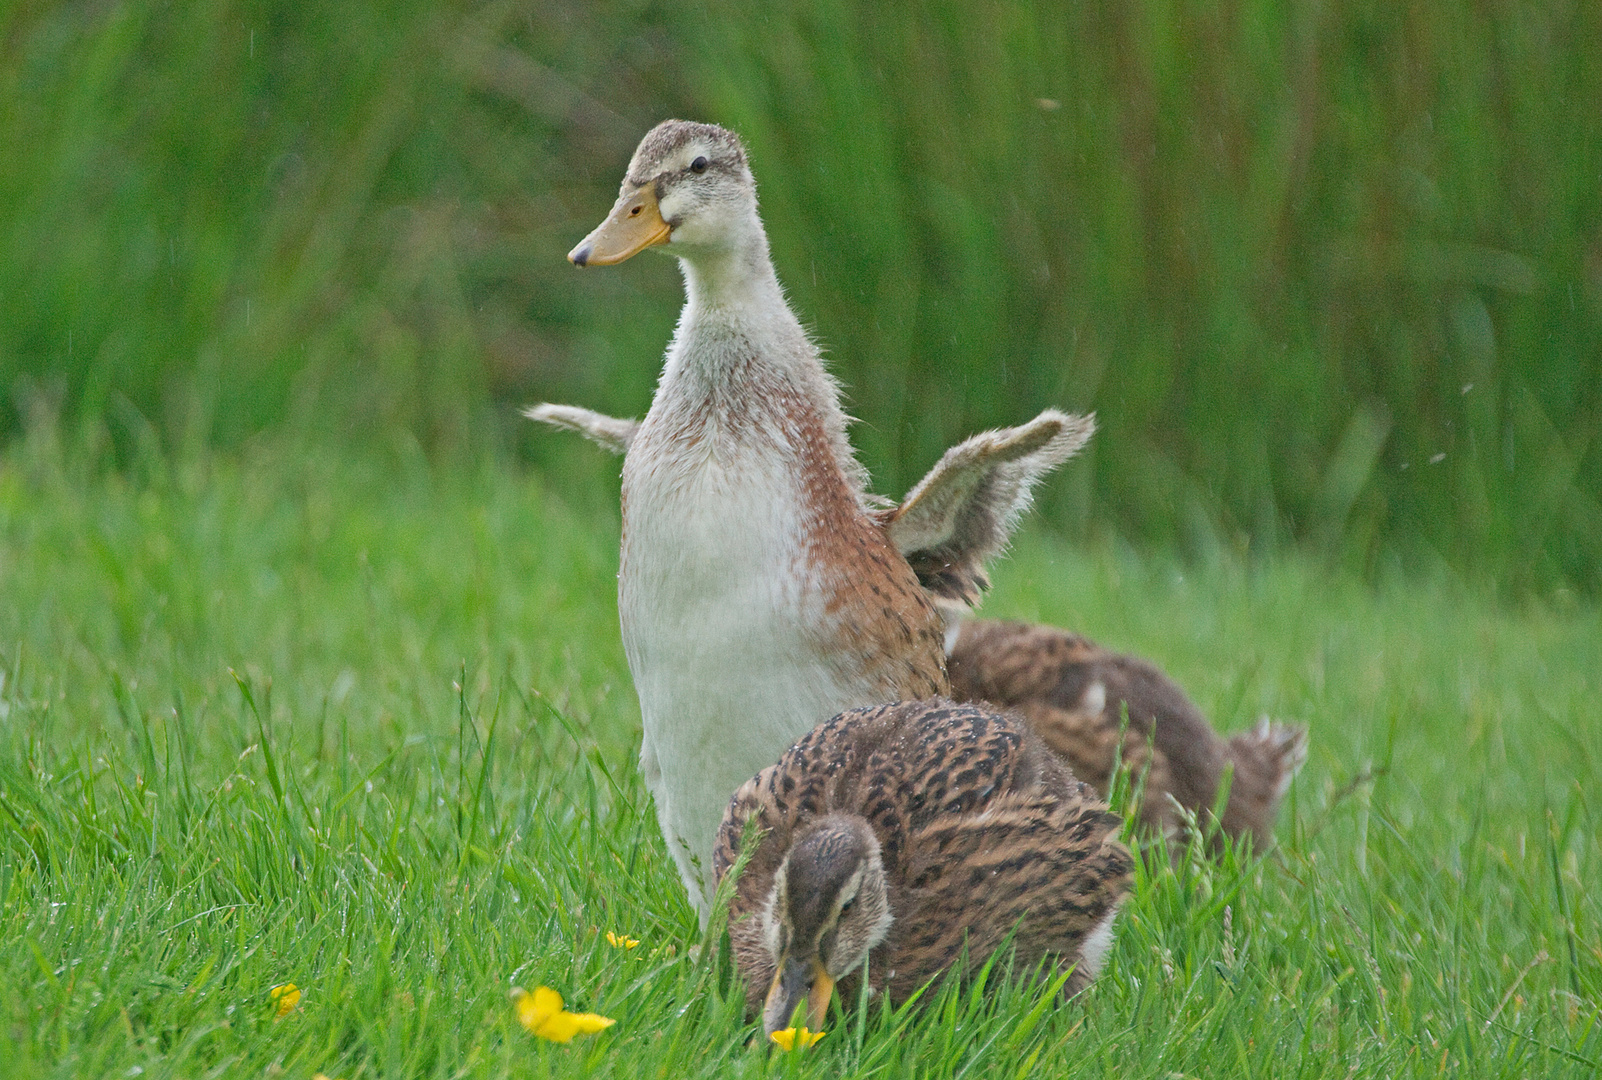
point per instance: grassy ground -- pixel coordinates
(363, 725)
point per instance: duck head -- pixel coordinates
(689, 186)
(828, 908)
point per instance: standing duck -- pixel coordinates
(758, 591)
(900, 836)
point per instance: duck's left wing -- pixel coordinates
(1046, 868)
(964, 511)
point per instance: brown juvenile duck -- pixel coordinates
(901, 835)
(1074, 694)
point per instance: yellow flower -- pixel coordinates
(542, 1013)
(286, 996)
(618, 941)
(790, 1038)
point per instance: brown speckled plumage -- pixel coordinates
(1072, 692)
(980, 828)
(877, 616)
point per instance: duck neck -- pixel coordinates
(734, 284)
(741, 358)
(736, 327)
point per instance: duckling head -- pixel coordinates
(689, 186)
(828, 908)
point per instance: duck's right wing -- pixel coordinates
(608, 432)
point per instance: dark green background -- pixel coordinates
(1328, 273)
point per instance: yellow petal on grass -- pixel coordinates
(542, 1013)
(618, 941)
(285, 996)
(790, 1038)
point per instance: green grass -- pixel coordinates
(360, 722)
(1328, 273)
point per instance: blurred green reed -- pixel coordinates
(1328, 273)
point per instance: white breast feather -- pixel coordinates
(719, 624)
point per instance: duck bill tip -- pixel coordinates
(634, 224)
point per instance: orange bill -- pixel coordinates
(634, 224)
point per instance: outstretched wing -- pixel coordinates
(959, 515)
(964, 511)
(609, 432)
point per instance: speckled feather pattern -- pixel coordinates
(1072, 691)
(981, 829)
(661, 141)
(878, 622)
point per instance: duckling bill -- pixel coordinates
(901, 836)
(634, 224)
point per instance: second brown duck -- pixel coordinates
(1074, 694)
(900, 836)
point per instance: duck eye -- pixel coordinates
(848, 905)
(699, 165)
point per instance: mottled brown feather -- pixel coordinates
(982, 831)
(876, 613)
(1048, 675)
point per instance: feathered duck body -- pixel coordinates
(1075, 695)
(1072, 691)
(905, 834)
(755, 597)
(756, 594)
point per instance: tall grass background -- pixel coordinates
(1329, 274)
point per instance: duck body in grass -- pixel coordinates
(1098, 708)
(903, 836)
